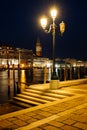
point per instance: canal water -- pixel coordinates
(9, 80)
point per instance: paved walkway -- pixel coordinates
(67, 114)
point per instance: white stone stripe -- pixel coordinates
(20, 112)
(53, 117)
(38, 123)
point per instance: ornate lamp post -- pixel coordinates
(54, 78)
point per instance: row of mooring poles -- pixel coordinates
(9, 77)
(66, 73)
(69, 73)
(8, 74)
(16, 85)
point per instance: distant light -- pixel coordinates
(54, 13)
(43, 22)
(48, 65)
(22, 65)
(3, 63)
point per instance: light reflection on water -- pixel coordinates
(7, 85)
(23, 76)
(4, 85)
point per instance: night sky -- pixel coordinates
(20, 27)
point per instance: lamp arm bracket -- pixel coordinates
(48, 31)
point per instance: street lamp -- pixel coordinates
(54, 78)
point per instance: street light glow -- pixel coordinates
(53, 13)
(52, 28)
(43, 22)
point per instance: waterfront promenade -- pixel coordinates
(67, 114)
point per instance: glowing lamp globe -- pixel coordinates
(43, 22)
(53, 13)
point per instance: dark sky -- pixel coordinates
(19, 26)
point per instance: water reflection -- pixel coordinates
(6, 85)
(22, 80)
(3, 86)
(9, 79)
(23, 76)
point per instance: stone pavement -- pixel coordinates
(66, 114)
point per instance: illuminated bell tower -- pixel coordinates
(38, 48)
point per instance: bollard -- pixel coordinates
(45, 74)
(18, 88)
(8, 92)
(70, 71)
(60, 72)
(15, 90)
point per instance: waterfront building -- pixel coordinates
(11, 56)
(25, 59)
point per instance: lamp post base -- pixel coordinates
(54, 82)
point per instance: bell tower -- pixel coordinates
(38, 48)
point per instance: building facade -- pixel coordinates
(12, 56)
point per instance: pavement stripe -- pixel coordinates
(38, 123)
(5, 116)
(53, 117)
